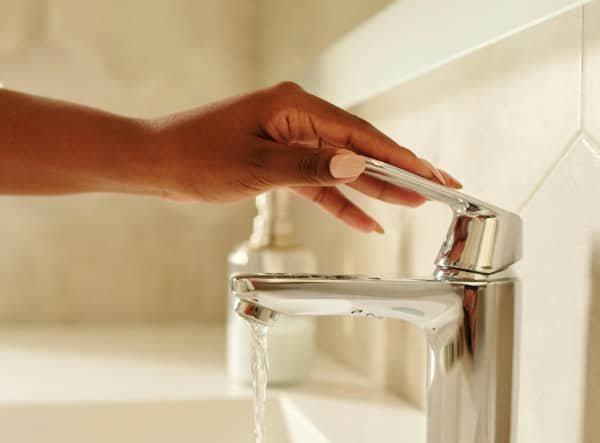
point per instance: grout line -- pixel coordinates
(579, 137)
(588, 139)
(591, 143)
(582, 77)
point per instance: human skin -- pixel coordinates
(281, 136)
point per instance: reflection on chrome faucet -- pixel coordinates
(468, 327)
(466, 309)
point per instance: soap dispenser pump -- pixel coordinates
(272, 248)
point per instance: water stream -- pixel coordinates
(260, 371)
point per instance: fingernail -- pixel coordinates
(346, 165)
(378, 228)
(437, 174)
(453, 178)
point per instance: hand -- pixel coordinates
(281, 136)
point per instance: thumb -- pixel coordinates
(297, 166)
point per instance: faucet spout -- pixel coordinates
(428, 303)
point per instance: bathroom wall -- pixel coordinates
(291, 33)
(519, 124)
(112, 258)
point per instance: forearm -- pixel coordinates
(53, 147)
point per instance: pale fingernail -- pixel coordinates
(437, 174)
(378, 228)
(454, 179)
(346, 165)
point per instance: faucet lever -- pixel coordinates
(482, 238)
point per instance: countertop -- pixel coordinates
(87, 364)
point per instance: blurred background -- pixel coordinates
(517, 122)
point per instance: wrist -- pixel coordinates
(149, 158)
(161, 151)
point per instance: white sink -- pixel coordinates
(210, 420)
(130, 384)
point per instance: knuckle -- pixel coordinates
(283, 110)
(311, 168)
(320, 196)
(344, 207)
(255, 184)
(282, 94)
(284, 124)
(287, 87)
(362, 121)
(258, 158)
(381, 192)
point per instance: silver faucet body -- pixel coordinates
(468, 325)
(467, 311)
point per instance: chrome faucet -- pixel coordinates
(467, 310)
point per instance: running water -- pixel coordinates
(260, 372)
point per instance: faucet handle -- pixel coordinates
(482, 238)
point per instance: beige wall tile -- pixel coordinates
(292, 33)
(131, 56)
(106, 258)
(19, 25)
(561, 236)
(188, 52)
(591, 69)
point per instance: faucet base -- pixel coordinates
(470, 369)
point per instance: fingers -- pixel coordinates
(337, 204)
(305, 118)
(282, 165)
(451, 181)
(387, 192)
(442, 176)
(287, 166)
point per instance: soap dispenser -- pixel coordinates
(272, 248)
